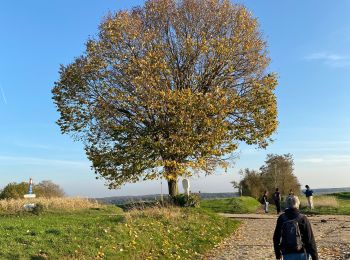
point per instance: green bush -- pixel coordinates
(183, 200)
(14, 190)
(44, 189)
(48, 189)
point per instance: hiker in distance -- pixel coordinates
(265, 201)
(308, 193)
(277, 199)
(293, 238)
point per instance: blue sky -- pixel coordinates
(309, 43)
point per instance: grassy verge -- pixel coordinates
(107, 232)
(337, 203)
(232, 205)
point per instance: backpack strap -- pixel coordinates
(298, 219)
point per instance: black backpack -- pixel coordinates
(291, 236)
(261, 200)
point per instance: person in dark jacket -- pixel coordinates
(265, 201)
(309, 196)
(308, 240)
(277, 199)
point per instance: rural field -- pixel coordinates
(92, 231)
(336, 203)
(179, 123)
(81, 229)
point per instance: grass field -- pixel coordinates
(232, 205)
(336, 203)
(107, 232)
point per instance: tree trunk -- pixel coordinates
(172, 185)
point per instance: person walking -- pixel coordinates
(265, 201)
(309, 196)
(277, 200)
(293, 237)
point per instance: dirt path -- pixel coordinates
(253, 240)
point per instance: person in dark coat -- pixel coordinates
(309, 196)
(277, 199)
(308, 240)
(265, 201)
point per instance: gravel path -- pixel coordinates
(253, 240)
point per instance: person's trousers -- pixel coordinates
(301, 256)
(266, 207)
(278, 206)
(310, 201)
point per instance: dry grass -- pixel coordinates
(169, 213)
(17, 205)
(321, 201)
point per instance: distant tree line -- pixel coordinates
(46, 189)
(277, 172)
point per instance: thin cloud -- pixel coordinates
(42, 161)
(3, 95)
(312, 160)
(39, 146)
(34, 146)
(328, 159)
(317, 146)
(330, 59)
(324, 56)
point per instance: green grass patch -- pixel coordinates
(344, 196)
(232, 205)
(112, 234)
(336, 203)
(324, 207)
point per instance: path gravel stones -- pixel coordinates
(253, 240)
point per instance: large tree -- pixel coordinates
(278, 173)
(168, 89)
(252, 183)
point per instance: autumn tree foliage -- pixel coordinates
(277, 172)
(48, 189)
(169, 89)
(252, 183)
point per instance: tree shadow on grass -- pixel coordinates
(10, 256)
